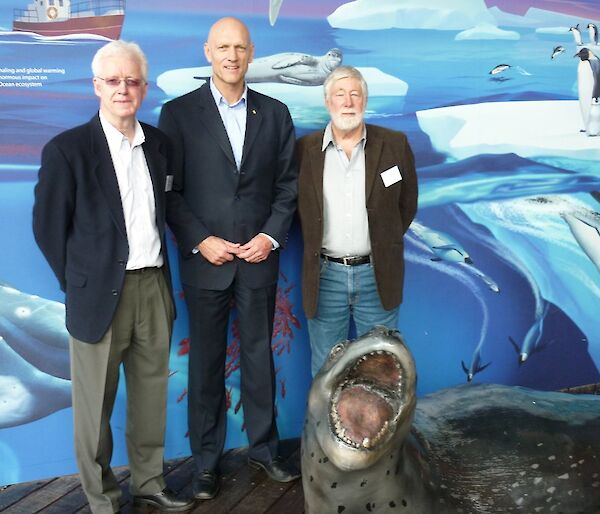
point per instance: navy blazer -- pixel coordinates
(79, 225)
(210, 196)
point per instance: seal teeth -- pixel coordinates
(366, 442)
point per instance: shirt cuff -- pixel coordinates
(275, 243)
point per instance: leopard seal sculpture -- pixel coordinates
(367, 446)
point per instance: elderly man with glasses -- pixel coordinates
(99, 219)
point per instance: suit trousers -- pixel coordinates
(209, 312)
(139, 337)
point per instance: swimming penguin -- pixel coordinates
(588, 86)
(499, 69)
(576, 35)
(593, 31)
(557, 51)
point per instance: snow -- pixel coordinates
(486, 31)
(529, 129)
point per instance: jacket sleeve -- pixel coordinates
(285, 188)
(54, 203)
(188, 229)
(410, 192)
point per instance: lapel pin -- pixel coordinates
(253, 111)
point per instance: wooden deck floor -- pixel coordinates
(243, 490)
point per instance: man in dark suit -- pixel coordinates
(232, 204)
(357, 195)
(99, 219)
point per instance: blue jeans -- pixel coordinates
(345, 291)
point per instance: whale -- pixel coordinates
(368, 445)
(287, 68)
(26, 393)
(586, 231)
(532, 342)
(583, 222)
(34, 327)
(475, 367)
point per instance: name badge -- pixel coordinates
(391, 176)
(169, 183)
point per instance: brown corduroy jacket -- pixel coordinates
(390, 210)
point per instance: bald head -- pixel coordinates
(226, 25)
(229, 50)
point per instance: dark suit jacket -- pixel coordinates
(390, 211)
(210, 197)
(79, 225)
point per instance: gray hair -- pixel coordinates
(343, 72)
(120, 48)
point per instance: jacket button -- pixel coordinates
(115, 292)
(121, 262)
(236, 197)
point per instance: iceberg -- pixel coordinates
(535, 18)
(410, 14)
(181, 81)
(531, 129)
(554, 31)
(486, 31)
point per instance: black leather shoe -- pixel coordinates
(205, 485)
(277, 469)
(165, 501)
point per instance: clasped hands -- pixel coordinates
(218, 251)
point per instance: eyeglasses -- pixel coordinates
(116, 81)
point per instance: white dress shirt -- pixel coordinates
(137, 196)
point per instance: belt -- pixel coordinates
(142, 270)
(349, 261)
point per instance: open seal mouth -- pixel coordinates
(366, 404)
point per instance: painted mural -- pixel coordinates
(500, 100)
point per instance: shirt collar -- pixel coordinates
(220, 98)
(115, 138)
(328, 137)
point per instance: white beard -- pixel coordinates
(346, 124)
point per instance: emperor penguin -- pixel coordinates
(576, 35)
(593, 32)
(588, 86)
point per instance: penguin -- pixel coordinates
(588, 86)
(593, 32)
(576, 35)
(557, 51)
(499, 69)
